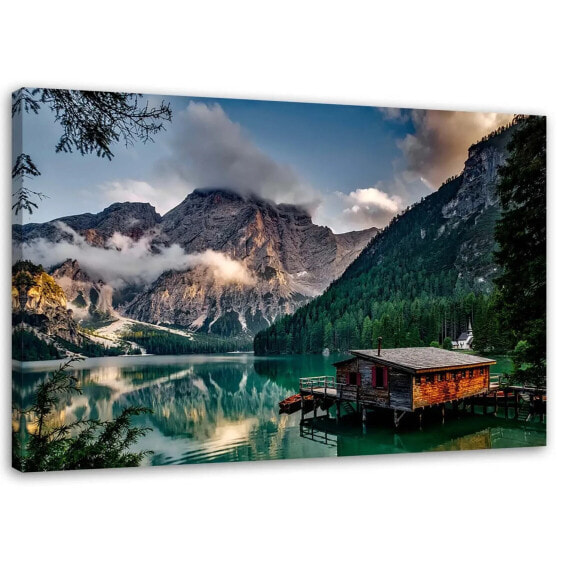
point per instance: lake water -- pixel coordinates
(210, 408)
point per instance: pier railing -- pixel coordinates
(317, 382)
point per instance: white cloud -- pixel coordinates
(208, 149)
(163, 198)
(125, 261)
(374, 199)
(359, 209)
(394, 114)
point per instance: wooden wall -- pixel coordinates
(440, 387)
(397, 394)
(401, 396)
(408, 392)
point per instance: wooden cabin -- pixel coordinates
(410, 379)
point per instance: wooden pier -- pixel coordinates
(323, 392)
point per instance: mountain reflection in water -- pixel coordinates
(225, 408)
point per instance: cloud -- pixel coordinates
(395, 114)
(369, 207)
(125, 261)
(131, 190)
(438, 147)
(208, 149)
(359, 209)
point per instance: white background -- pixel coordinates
(495, 56)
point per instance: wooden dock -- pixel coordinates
(323, 392)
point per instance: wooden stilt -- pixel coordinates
(496, 404)
(420, 419)
(338, 409)
(315, 408)
(443, 413)
(506, 402)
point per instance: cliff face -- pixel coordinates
(473, 211)
(290, 259)
(38, 301)
(85, 297)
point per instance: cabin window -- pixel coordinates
(379, 377)
(430, 379)
(471, 373)
(441, 377)
(352, 378)
(417, 380)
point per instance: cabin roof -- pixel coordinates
(420, 359)
(463, 336)
(344, 361)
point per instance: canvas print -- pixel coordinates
(200, 280)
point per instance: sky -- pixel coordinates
(352, 167)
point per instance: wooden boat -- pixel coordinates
(294, 403)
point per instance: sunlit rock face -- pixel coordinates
(39, 303)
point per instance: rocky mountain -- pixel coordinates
(130, 219)
(242, 261)
(39, 304)
(421, 279)
(85, 296)
(289, 260)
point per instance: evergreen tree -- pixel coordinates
(80, 445)
(521, 234)
(91, 123)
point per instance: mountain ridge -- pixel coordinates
(289, 259)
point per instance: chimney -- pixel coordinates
(379, 346)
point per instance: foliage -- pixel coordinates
(521, 235)
(26, 345)
(414, 284)
(83, 444)
(404, 287)
(90, 348)
(91, 123)
(159, 342)
(447, 344)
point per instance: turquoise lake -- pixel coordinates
(224, 408)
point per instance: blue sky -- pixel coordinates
(352, 166)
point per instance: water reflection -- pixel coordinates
(225, 408)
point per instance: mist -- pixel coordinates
(125, 261)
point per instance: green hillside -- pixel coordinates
(421, 280)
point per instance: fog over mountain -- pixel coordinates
(219, 262)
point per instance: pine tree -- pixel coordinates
(521, 235)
